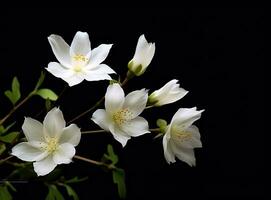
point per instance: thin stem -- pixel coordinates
(148, 107)
(5, 159)
(16, 107)
(94, 162)
(87, 111)
(95, 131)
(154, 129)
(97, 104)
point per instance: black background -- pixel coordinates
(217, 54)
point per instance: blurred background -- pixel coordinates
(216, 54)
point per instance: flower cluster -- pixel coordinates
(52, 143)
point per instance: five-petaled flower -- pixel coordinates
(48, 144)
(78, 62)
(143, 56)
(120, 116)
(169, 93)
(182, 137)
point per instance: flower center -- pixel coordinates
(181, 135)
(79, 61)
(122, 116)
(80, 58)
(52, 144)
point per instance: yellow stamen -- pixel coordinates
(122, 116)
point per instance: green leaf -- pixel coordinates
(9, 138)
(14, 95)
(119, 179)
(2, 148)
(47, 94)
(54, 193)
(4, 193)
(40, 81)
(113, 157)
(71, 192)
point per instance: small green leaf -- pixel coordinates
(119, 179)
(47, 94)
(4, 193)
(9, 138)
(113, 81)
(54, 193)
(71, 192)
(2, 147)
(40, 81)
(113, 157)
(14, 95)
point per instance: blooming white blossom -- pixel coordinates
(182, 137)
(48, 144)
(169, 93)
(78, 62)
(143, 56)
(120, 116)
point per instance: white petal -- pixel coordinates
(58, 70)
(136, 101)
(185, 117)
(136, 127)
(144, 52)
(54, 122)
(27, 152)
(92, 76)
(169, 155)
(70, 134)
(45, 166)
(169, 93)
(119, 135)
(80, 44)
(64, 154)
(195, 140)
(99, 54)
(61, 50)
(114, 98)
(184, 154)
(75, 79)
(33, 129)
(101, 118)
(101, 69)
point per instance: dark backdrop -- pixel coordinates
(217, 54)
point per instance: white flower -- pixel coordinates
(169, 93)
(143, 56)
(48, 144)
(78, 62)
(120, 116)
(182, 137)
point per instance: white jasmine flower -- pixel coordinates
(169, 93)
(143, 56)
(78, 62)
(48, 144)
(182, 137)
(120, 116)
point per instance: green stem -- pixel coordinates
(154, 129)
(94, 162)
(95, 131)
(148, 107)
(5, 159)
(128, 77)
(16, 107)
